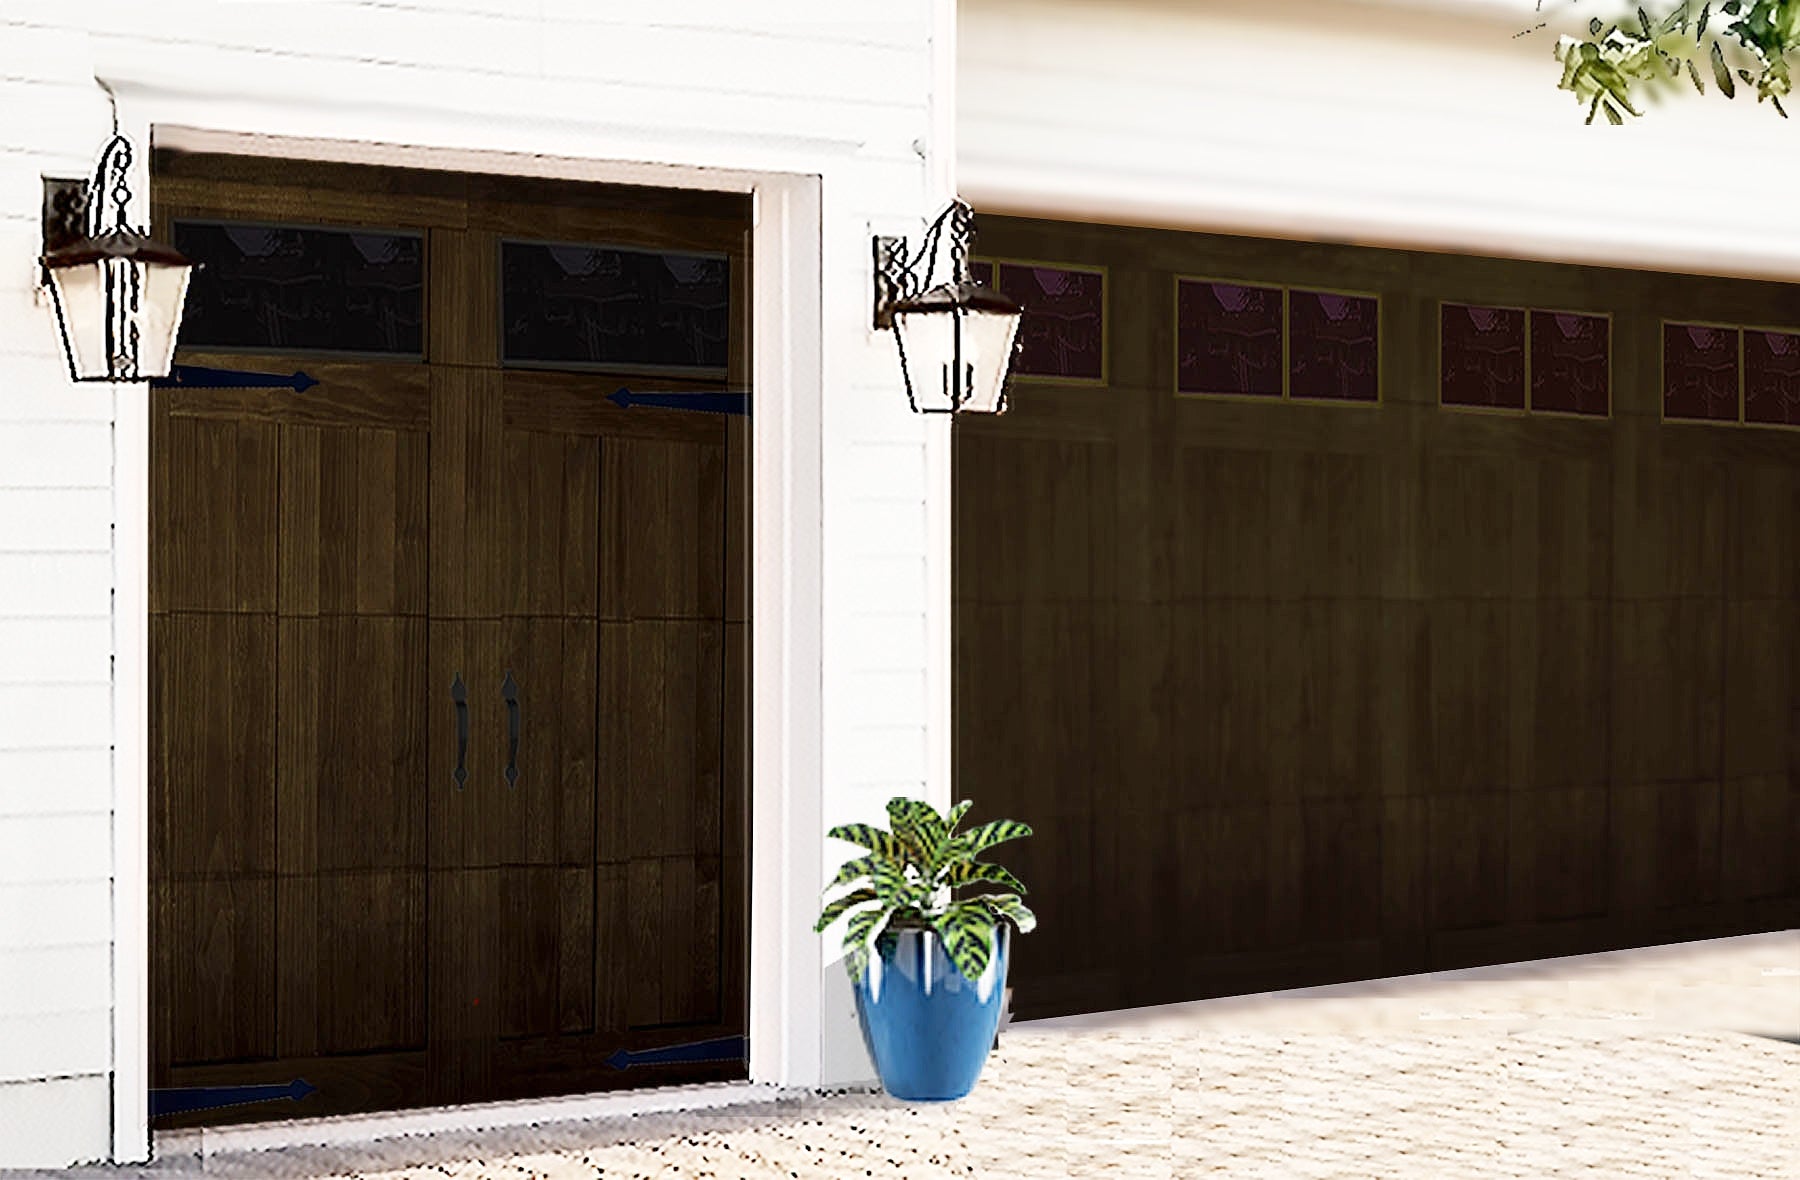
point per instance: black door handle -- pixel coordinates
(509, 689)
(459, 696)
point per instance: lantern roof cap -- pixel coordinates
(118, 242)
(963, 296)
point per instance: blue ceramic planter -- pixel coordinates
(928, 1028)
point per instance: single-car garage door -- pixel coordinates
(448, 648)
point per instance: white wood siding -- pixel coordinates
(55, 640)
(1396, 122)
(65, 1117)
(810, 87)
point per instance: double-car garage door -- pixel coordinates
(1336, 612)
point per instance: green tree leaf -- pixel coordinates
(1751, 41)
(1721, 75)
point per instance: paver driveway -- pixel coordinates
(1633, 1064)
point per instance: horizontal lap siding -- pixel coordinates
(68, 1117)
(55, 638)
(1377, 122)
(783, 80)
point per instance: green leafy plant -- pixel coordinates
(908, 876)
(1730, 41)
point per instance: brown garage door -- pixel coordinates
(1348, 612)
(448, 650)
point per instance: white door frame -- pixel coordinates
(788, 367)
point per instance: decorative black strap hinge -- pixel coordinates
(201, 377)
(722, 1049)
(712, 403)
(182, 1099)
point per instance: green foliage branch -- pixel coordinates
(908, 877)
(1729, 41)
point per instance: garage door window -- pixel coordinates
(606, 307)
(1492, 357)
(1481, 356)
(1241, 340)
(1062, 336)
(1571, 362)
(1334, 346)
(1228, 339)
(296, 288)
(1700, 372)
(1772, 378)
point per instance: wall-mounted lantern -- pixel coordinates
(956, 338)
(118, 293)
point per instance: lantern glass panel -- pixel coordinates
(80, 293)
(927, 344)
(988, 340)
(165, 290)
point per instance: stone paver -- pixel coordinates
(1634, 1064)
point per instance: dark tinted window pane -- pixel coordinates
(290, 288)
(615, 308)
(1228, 339)
(1772, 377)
(1060, 333)
(1570, 370)
(1332, 346)
(981, 271)
(1482, 359)
(1700, 372)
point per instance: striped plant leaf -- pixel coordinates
(870, 837)
(917, 823)
(889, 880)
(853, 870)
(970, 872)
(866, 867)
(1008, 906)
(948, 851)
(967, 929)
(858, 933)
(978, 840)
(839, 905)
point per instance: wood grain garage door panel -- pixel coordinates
(661, 695)
(212, 781)
(351, 834)
(327, 901)
(213, 480)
